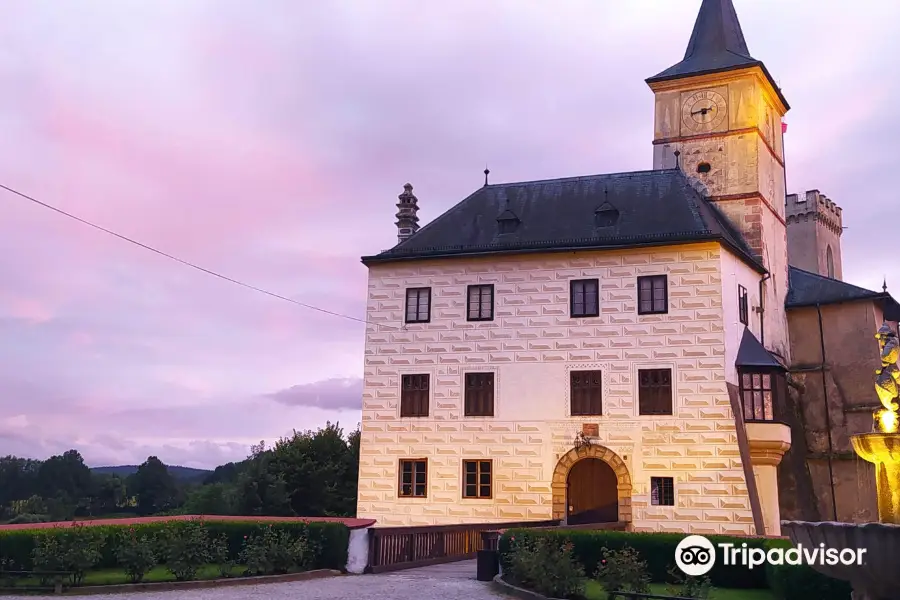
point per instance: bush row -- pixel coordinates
(182, 546)
(657, 550)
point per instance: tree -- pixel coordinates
(211, 499)
(154, 487)
(109, 494)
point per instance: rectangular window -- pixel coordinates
(414, 395)
(481, 303)
(743, 306)
(413, 478)
(586, 393)
(585, 298)
(478, 478)
(761, 393)
(653, 295)
(479, 400)
(418, 305)
(655, 391)
(662, 491)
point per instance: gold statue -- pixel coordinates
(887, 378)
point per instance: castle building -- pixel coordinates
(604, 348)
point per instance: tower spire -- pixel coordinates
(717, 44)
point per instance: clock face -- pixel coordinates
(704, 111)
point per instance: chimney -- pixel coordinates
(407, 221)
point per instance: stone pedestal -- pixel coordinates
(768, 443)
(883, 450)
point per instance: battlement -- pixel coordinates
(816, 206)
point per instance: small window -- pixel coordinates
(704, 168)
(414, 478)
(477, 479)
(479, 400)
(585, 298)
(653, 295)
(481, 303)
(761, 392)
(586, 393)
(655, 391)
(829, 261)
(414, 395)
(743, 306)
(418, 305)
(662, 491)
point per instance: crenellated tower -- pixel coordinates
(814, 228)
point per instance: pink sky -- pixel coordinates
(269, 141)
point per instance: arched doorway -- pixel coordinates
(567, 463)
(592, 493)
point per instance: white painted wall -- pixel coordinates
(532, 345)
(734, 273)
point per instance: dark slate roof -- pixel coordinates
(751, 353)
(621, 210)
(717, 44)
(809, 289)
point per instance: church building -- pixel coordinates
(604, 348)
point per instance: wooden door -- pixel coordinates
(593, 496)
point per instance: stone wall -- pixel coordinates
(814, 225)
(847, 390)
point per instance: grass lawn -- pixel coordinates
(594, 591)
(156, 575)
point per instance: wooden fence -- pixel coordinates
(394, 548)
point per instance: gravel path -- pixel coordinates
(453, 581)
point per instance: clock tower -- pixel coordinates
(721, 110)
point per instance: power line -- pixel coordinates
(188, 263)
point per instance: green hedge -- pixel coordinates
(331, 539)
(658, 550)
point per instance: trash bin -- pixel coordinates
(488, 565)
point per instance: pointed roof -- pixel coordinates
(809, 289)
(751, 353)
(717, 44)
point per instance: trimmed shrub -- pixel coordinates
(802, 582)
(75, 549)
(328, 541)
(135, 555)
(623, 571)
(656, 549)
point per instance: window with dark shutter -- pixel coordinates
(481, 303)
(662, 491)
(743, 305)
(477, 479)
(413, 478)
(653, 295)
(414, 395)
(479, 395)
(584, 298)
(418, 305)
(586, 393)
(655, 391)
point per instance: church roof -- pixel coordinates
(751, 353)
(619, 210)
(717, 44)
(809, 289)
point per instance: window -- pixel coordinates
(479, 400)
(586, 393)
(481, 303)
(477, 479)
(414, 395)
(418, 305)
(653, 295)
(585, 298)
(655, 391)
(704, 168)
(743, 307)
(414, 478)
(761, 393)
(829, 261)
(662, 491)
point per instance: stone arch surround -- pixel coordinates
(561, 474)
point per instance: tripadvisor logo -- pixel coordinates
(695, 555)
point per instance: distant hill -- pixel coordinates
(180, 473)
